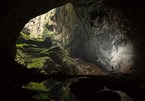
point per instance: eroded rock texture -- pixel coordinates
(35, 27)
(108, 36)
(106, 32)
(15, 14)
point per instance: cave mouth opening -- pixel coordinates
(42, 44)
(122, 51)
(74, 39)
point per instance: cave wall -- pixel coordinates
(35, 27)
(108, 43)
(15, 14)
(109, 33)
(106, 32)
(63, 23)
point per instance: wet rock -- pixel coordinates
(108, 95)
(85, 89)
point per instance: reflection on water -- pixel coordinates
(52, 90)
(90, 88)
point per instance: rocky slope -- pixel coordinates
(49, 59)
(102, 32)
(125, 17)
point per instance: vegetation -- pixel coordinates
(47, 90)
(48, 59)
(25, 36)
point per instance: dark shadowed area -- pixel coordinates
(97, 52)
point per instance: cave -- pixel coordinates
(106, 33)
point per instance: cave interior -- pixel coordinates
(105, 39)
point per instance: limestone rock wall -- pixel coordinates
(15, 14)
(114, 28)
(104, 32)
(35, 26)
(111, 40)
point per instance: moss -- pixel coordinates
(51, 60)
(24, 36)
(38, 54)
(44, 51)
(37, 62)
(21, 45)
(35, 86)
(46, 90)
(46, 60)
(20, 57)
(42, 97)
(47, 33)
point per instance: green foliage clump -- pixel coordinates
(35, 86)
(37, 62)
(37, 53)
(22, 45)
(47, 33)
(24, 36)
(51, 90)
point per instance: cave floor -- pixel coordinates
(27, 84)
(86, 82)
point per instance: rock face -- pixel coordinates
(15, 14)
(107, 36)
(35, 26)
(104, 32)
(109, 32)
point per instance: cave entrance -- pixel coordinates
(100, 31)
(96, 34)
(99, 35)
(43, 42)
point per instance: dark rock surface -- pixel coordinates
(106, 88)
(106, 32)
(15, 14)
(110, 33)
(112, 23)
